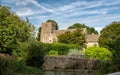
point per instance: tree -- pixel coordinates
(98, 53)
(12, 30)
(110, 38)
(38, 34)
(90, 30)
(75, 37)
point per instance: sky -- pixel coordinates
(93, 13)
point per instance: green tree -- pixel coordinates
(38, 34)
(110, 38)
(90, 30)
(75, 37)
(12, 30)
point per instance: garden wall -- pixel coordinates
(65, 62)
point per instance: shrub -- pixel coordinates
(75, 52)
(98, 53)
(35, 54)
(10, 66)
(21, 51)
(53, 53)
(7, 65)
(62, 49)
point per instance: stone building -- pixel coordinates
(92, 40)
(49, 34)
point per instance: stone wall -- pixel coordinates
(53, 63)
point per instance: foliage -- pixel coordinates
(10, 66)
(75, 37)
(90, 30)
(12, 30)
(35, 53)
(98, 53)
(21, 51)
(53, 22)
(7, 65)
(60, 49)
(110, 38)
(53, 53)
(75, 52)
(38, 34)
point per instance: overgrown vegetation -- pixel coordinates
(98, 53)
(14, 33)
(13, 30)
(75, 37)
(60, 49)
(35, 54)
(11, 66)
(110, 38)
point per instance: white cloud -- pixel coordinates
(22, 3)
(44, 8)
(23, 12)
(83, 5)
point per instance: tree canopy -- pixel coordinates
(75, 37)
(13, 29)
(110, 38)
(90, 30)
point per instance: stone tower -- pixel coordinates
(47, 30)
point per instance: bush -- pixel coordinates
(62, 49)
(53, 53)
(75, 52)
(7, 65)
(21, 51)
(98, 53)
(35, 54)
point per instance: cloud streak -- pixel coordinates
(44, 8)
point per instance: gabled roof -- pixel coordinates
(92, 38)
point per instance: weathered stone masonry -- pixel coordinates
(53, 63)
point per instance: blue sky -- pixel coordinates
(94, 13)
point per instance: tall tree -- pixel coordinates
(110, 38)
(90, 30)
(38, 34)
(75, 37)
(12, 30)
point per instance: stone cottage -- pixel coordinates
(49, 34)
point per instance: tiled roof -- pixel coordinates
(92, 38)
